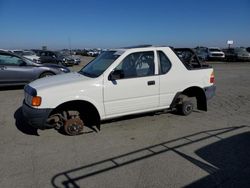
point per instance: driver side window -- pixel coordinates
(137, 64)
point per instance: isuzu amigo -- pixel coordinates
(117, 83)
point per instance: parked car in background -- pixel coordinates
(17, 70)
(94, 53)
(66, 60)
(230, 54)
(248, 49)
(67, 56)
(77, 60)
(47, 56)
(236, 54)
(242, 54)
(83, 52)
(202, 53)
(28, 54)
(215, 53)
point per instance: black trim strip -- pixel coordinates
(30, 90)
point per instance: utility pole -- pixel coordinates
(69, 41)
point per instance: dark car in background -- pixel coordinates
(236, 54)
(47, 56)
(248, 49)
(66, 56)
(77, 60)
(17, 70)
(202, 53)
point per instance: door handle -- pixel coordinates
(150, 83)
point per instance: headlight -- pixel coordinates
(64, 70)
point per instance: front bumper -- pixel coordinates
(69, 62)
(36, 117)
(243, 58)
(210, 91)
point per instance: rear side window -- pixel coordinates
(165, 63)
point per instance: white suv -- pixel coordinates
(215, 53)
(120, 82)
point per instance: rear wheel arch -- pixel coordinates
(196, 92)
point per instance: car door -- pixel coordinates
(137, 87)
(15, 70)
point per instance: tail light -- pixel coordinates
(212, 79)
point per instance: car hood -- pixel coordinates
(58, 80)
(243, 54)
(69, 58)
(31, 57)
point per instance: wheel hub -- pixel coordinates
(73, 126)
(189, 108)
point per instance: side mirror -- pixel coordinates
(116, 75)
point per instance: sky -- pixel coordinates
(115, 23)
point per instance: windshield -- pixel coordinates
(18, 52)
(28, 61)
(214, 50)
(241, 50)
(96, 67)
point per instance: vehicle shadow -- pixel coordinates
(90, 129)
(22, 125)
(231, 158)
(227, 159)
(130, 117)
(136, 116)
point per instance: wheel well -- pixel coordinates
(45, 73)
(86, 109)
(196, 92)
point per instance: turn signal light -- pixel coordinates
(36, 101)
(212, 79)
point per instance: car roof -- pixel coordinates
(214, 48)
(140, 47)
(10, 53)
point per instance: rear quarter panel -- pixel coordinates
(180, 78)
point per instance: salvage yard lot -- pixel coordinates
(204, 149)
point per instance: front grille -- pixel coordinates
(217, 55)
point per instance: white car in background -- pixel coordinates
(27, 54)
(215, 53)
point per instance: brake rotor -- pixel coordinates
(73, 126)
